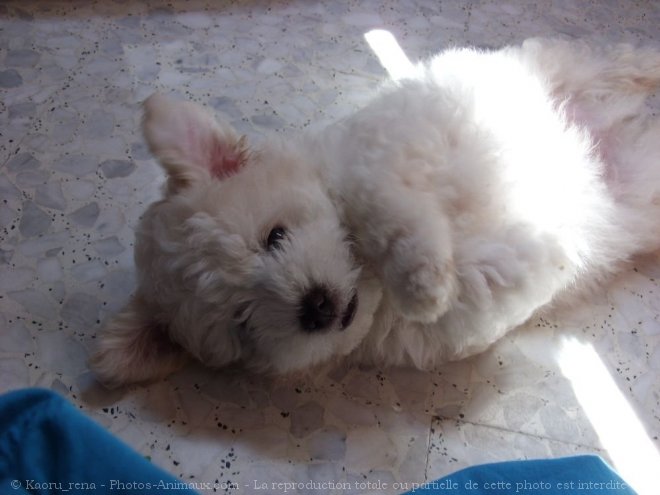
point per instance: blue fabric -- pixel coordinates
(580, 475)
(48, 447)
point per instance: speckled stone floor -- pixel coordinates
(75, 176)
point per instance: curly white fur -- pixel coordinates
(454, 206)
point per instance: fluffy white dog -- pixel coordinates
(448, 211)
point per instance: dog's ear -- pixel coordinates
(133, 349)
(189, 142)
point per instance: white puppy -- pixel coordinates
(449, 210)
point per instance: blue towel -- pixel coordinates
(48, 447)
(579, 475)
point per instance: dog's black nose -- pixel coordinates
(317, 310)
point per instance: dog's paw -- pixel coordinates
(422, 286)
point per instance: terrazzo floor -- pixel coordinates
(75, 176)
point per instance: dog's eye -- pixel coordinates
(275, 237)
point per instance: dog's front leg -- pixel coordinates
(406, 236)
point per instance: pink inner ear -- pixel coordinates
(224, 160)
(220, 158)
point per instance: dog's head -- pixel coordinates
(245, 259)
